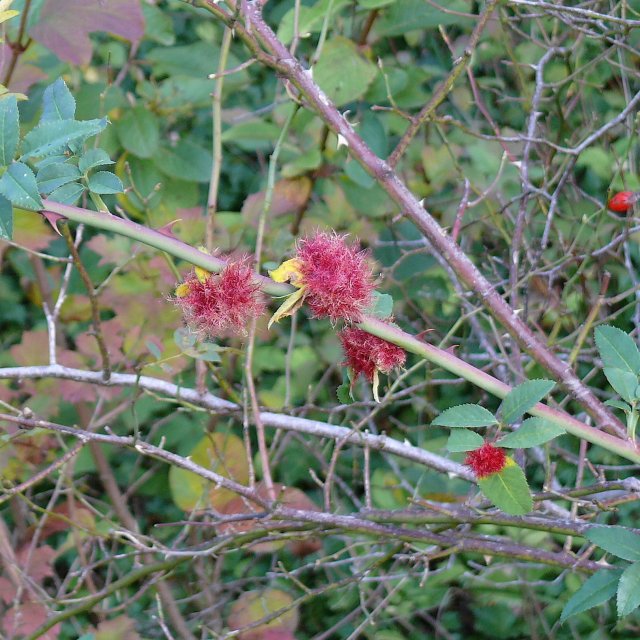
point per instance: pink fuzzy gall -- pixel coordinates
(222, 302)
(486, 460)
(365, 354)
(337, 277)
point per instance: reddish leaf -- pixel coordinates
(64, 25)
(37, 564)
(7, 590)
(120, 628)
(25, 619)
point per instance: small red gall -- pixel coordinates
(365, 354)
(622, 201)
(333, 277)
(214, 304)
(486, 460)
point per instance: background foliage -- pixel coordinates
(525, 133)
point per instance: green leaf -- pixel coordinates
(344, 393)
(624, 383)
(139, 132)
(618, 541)
(184, 338)
(508, 489)
(55, 136)
(617, 349)
(223, 454)
(105, 182)
(93, 158)
(464, 440)
(342, 72)
(68, 194)
(19, 186)
(408, 15)
(598, 589)
(465, 415)
(521, 398)
(52, 176)
(6, 219)
(381, 306)
(532, 432)
(629, 590)
(185, 161)
(374, 4)
(207, 351)
(57, 102)
(9, 129)
(618, 404)
(310, 19)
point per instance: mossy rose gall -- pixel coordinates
(333, 277)
(486, 460)
(214, 304)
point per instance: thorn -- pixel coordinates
(53, 219)
(167, 229)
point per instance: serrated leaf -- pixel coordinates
(617, 349)
(508, 489)
(464, 440)
(618, 404)
(381, 305)
(344, 393)
(19, 186)
(618, 541)
(629, 590)
(532, 432)
(93, 158)
(53, 176)
(624, 383)
(6, 219)
(44, 162)
(57, 102)
(9, 129)
(105, 182)
(598, 589)
(55, 136)
(68, 194)
(522, 398)
(465, 415)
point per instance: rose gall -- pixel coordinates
(214, 304)
(486, 460)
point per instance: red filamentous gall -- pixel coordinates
(486, 460)
(337, 277)
(217, 303)
(622, 201)
(365, 354)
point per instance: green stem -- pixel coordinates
(483, 380)
(155, 239)
(376, 327)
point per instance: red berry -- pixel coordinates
(486, 460)
(622, 201)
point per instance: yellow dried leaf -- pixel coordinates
(7, 15)
(288, 271)
(182, 290)
(289, 306)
